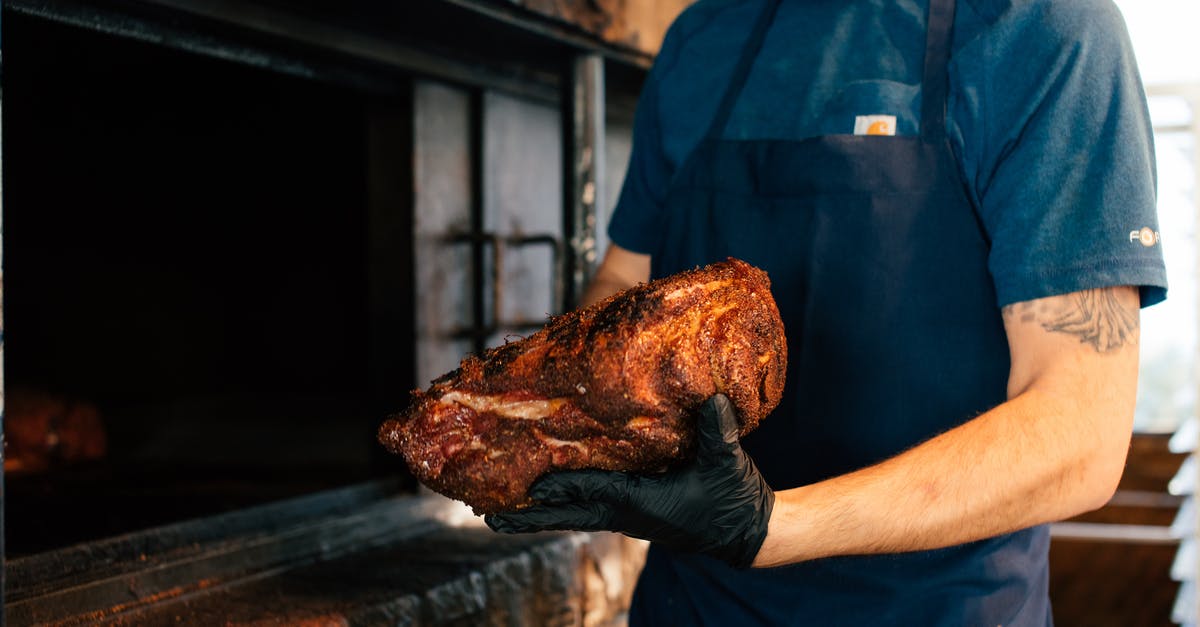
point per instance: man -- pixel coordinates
(945, 199)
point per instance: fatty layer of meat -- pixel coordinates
(612, 386)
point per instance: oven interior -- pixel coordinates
(189, 292)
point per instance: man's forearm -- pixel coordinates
(620, 270)
(1055, 449)
(1022, 464)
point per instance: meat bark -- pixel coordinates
(611, 386)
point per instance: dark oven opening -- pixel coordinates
(190, 286)
(236, 235)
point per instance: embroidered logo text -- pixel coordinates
(1145, 236)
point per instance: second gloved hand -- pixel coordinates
(718, 504)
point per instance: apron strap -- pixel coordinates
(934, 81)
(742, 69)
(936, 78)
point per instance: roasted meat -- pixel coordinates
(610, 386)
(44, 431)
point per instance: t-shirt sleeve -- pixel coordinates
(1058, 151)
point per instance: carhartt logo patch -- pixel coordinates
(1145, 236)
(874, 125)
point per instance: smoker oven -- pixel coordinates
(235, 237)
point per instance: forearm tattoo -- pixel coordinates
(1097, 317)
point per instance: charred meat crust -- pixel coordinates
(610, 386)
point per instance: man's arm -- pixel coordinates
(621, 269)
(1055, 449)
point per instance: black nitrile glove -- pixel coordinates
(717, 505)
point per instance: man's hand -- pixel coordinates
(718, 504)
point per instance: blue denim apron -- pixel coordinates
(878, 263)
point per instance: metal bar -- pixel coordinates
(499, 243)
(497, 281)
(266, 37)
(354, 42)
(158, 30)
(556, 251)
(584, 135)
(1104, 532)
(477, 330)
(514, 241)
(72, 566)
(475, 143)
(133, 572)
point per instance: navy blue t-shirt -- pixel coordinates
(1046, 114)
(1048, 122)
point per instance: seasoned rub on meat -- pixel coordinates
(610, 386)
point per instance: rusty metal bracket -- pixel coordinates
(481, 329)
(583, 178)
